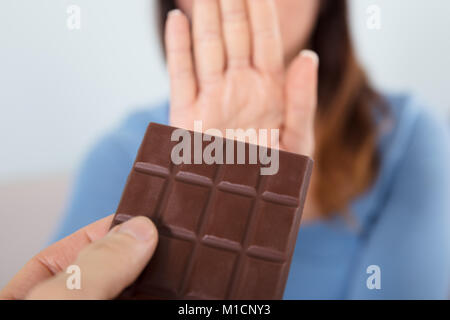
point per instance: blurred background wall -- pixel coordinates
(61, 89)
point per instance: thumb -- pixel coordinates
(301, 99)
(108, 265)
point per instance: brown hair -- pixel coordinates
(347, 158)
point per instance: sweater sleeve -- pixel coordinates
(103, 174)
(98, 186)
(410, 239)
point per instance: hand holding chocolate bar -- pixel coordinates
(89, 264)
(226, 232)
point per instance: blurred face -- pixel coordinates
(297, 19)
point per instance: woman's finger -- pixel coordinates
(301, 93)
(236, 32)
(208, 42)
(107, 266)
(180, 61)
(266, 34)
(54, 259)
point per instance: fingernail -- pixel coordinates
(140, 228)
(311, 55)
(174, 12)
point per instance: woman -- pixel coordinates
(379, 195)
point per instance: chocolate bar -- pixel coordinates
(225, 230)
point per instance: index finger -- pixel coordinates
(54, 259)
(267, 41)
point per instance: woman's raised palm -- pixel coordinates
(229, 72)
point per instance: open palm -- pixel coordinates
(229, 72)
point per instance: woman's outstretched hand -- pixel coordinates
(108, 262)
(228, 70)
